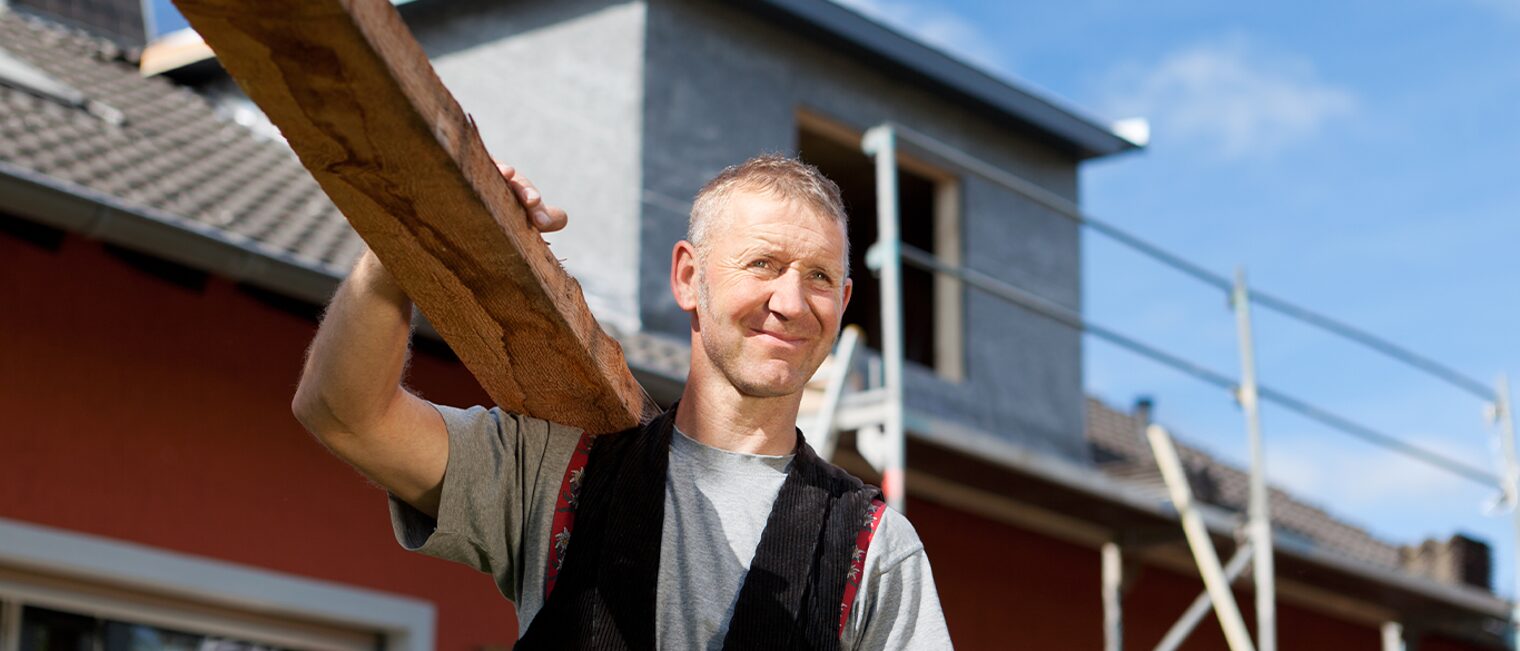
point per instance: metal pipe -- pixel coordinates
(1069, 210)
(1393, 636)
(924, 260)
(1195, 612)
(1258, 511)
(881, 143)
(823, 429)
(1113, 608)
(1060, 314)
(1214, 581)
(1504, 415)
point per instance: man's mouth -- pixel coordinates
(780, 337)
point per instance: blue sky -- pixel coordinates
(1359, 158)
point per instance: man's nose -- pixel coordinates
(787, 299)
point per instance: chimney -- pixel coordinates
(1144, 405)
(1459, 560)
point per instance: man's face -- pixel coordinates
(771, 291)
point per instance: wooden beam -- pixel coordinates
(353, 93)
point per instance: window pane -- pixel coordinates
(51, 630)
(121, 636)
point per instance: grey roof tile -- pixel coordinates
(173, 153)
(1121, 451)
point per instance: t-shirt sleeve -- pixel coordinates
(492, 478)
(898, 607)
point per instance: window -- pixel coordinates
(64, 590)
(44, 629)
(928, 214)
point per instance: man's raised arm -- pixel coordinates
(350, 396)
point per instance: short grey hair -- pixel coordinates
(780, 176)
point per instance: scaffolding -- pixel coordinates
(882, 439)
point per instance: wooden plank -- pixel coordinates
(354, 94)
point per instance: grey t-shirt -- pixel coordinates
(499, 491)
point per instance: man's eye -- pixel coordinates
(760, 264)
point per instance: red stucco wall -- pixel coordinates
(1003, 587)
(149, 412)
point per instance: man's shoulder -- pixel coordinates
(895, 541)
(503, 422)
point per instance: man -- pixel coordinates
(713, 527)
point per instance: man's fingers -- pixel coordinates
(521, 187)
(545, 218)
(550, 219)
(526, 193)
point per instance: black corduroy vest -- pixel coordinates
(604, 597)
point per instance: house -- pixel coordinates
(163, 260)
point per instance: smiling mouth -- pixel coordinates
(780, 337)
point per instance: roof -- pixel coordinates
(171, 153)
(1120, 449)
(845, 28)
(176, 178)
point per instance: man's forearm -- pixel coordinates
(353, 371)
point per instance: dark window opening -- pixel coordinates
(43, 629)
(856, 176)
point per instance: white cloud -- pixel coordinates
(1238, 100)
(1348, 477)
(936, 26)
(1509, 9)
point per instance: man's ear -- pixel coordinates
(683, 275)
(849, 287)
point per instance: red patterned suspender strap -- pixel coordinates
(564, 511)
(858, 560)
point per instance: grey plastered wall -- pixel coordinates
(557, 89)
(723, 84)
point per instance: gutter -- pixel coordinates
(101, 216)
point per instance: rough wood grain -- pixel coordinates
(355, 95)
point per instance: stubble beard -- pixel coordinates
(727, 359)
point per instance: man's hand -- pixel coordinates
(544, 217)
(350, 396)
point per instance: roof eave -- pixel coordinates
(1067, 129)
(1064, 127)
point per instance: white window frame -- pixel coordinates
(949, 301)
(106, 578)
